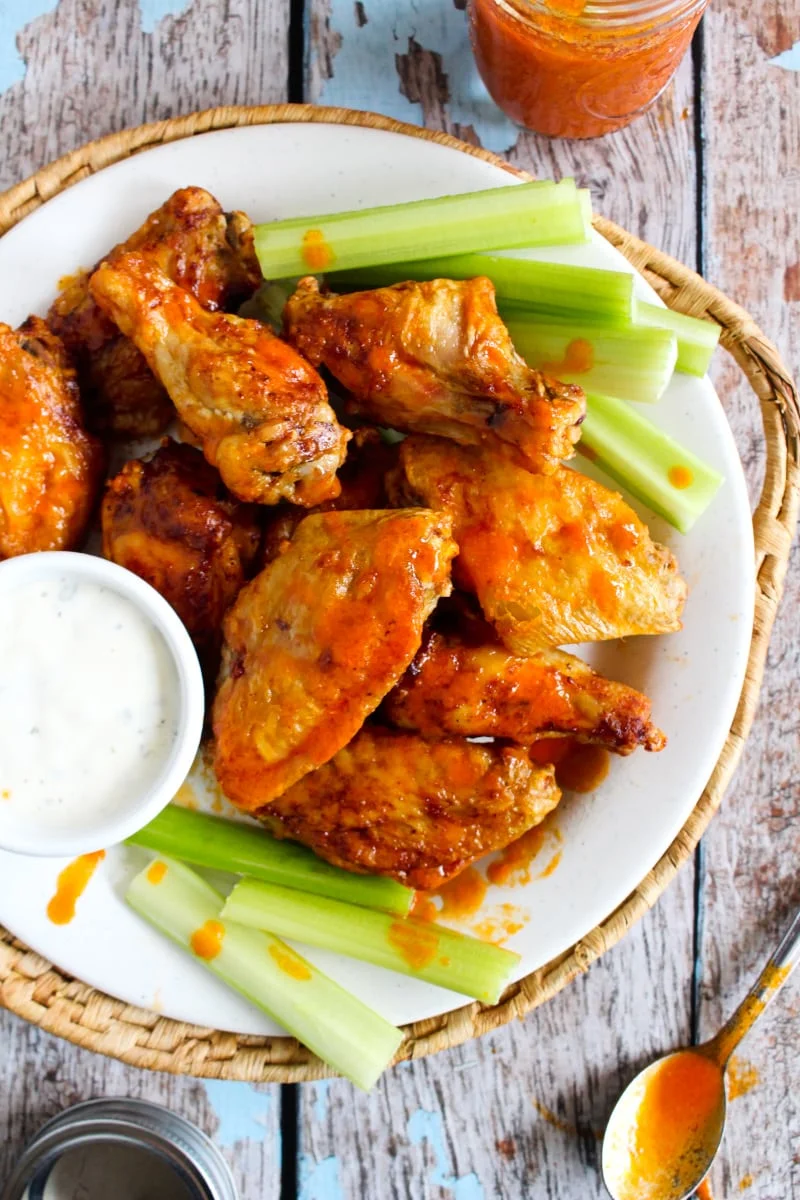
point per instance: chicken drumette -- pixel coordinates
(169, 519)
(50, 467)
(201, 248)
(436, 358)
(552, 558)
(316, 641)
(260, 411)
(391, 804)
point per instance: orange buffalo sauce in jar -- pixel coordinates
(579, 68)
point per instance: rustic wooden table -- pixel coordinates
(712, 176)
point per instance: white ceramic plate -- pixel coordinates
(610, 838)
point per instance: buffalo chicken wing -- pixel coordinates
(436, 358)
(259, 409)
(391, 804)
(316, 641)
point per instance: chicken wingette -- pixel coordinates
(260, 411)
(553, 559)
(50, 467)
(392, 804)
(436, 358)
(476, 688)
(317, 639)
(169, 519)
(201, 248)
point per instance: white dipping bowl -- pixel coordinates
(41, 838)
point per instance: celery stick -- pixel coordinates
(419, 948)
(644, 460)
(634, 364)
(245, 850)
(556, 290)
(697, 339)
(337, 1026)
(530, 214)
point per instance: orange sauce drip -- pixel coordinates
(499, 928)
(769, 981)
(289, 962)
(186, 797)
(156, 872)
(677, 1126)
(623, 537)
(680, 477)
(206, 942)
(583, 768)
(423, 908)
(315, 252)
(462, 896)
(578, 359)
(417, 944)
(551, 866)
(742, 1078)
(746, 1182)
(514, 864)
(603, 592)
(70, 886)
(704, 1191)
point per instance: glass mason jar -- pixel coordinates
(579, 68)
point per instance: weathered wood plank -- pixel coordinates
(752, 849)
(93, 66)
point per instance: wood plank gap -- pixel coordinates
(697, 940)
(297, 51)
(701, 182)
(290, 1117)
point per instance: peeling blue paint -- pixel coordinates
(320, 1103)
(365, 73)
(319, 1180)
(789, 59)
(154, 11)
(427, 1127)
(242, 1112)
(14, 14)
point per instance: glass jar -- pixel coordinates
(579, 68)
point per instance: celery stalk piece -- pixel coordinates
(585, 202)
(245, 850)
(697, 340)
(634, 364)
(337, 1026)
(647, 461)
(558, 291)
(530, 214)
(419, 948)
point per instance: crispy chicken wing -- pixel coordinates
(435, 357)
(201, 248)
(392, 804)
(259, 408)
(316, 641)
(169, 519)
(472, 688)
(363, 481)
(552, 558)
(50, 467)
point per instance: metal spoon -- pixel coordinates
(684, 1166)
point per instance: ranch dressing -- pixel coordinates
(89, 698)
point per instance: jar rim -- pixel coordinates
(610, 13)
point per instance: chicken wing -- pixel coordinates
(50, 467)
(201, 248)
(436, 358)
(552, 559)
(260, 410)
(316, 641)
(393, 804)
(363, 482)
(169, 519)
(479, 689)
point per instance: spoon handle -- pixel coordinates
(776, 971)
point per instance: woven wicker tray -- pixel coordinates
(32, 988)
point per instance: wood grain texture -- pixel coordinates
(752, 250)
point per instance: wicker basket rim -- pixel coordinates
(59, 1004)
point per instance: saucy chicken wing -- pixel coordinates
(260, 410)
(392, 804)
(50, 467)
(436, 358)
(316, 641)
(552, 558)
(479, 689)
(201, 248)
(169, 519)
